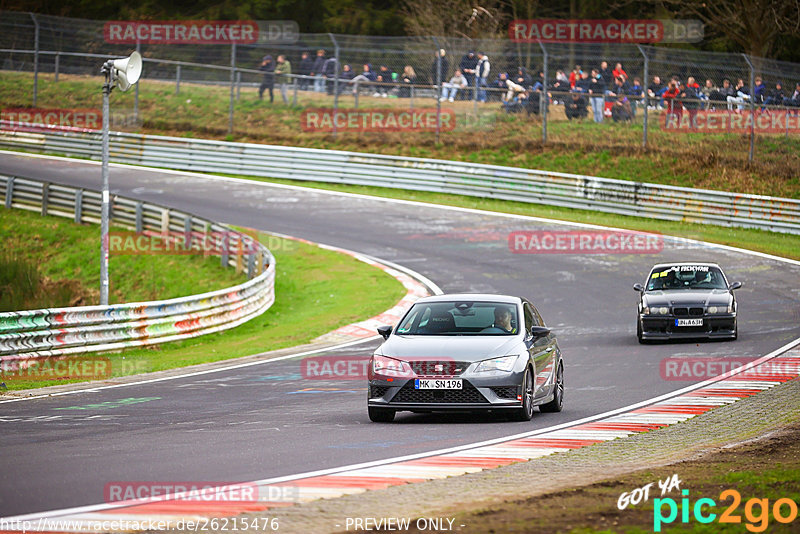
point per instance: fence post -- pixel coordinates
(136, 92)
(45, 197)
(238, 84)
(646, 96)
(438, 94)
(543, 100)
(58, 58)
(139, 217)
(78, 205)
(411, 97)
(10, 192)
(187, 231)
(752, 107)
(233, 83)
(294, 96)
(177, 79)
(35, 58)
(335, 80)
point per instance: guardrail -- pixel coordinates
(472, 179)
(65, 331)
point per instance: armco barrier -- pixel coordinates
(64, 331)
(486, 181)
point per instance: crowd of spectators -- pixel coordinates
(601, 90)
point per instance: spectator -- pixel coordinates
(441, 75)
(561, 85)
(575, 106)
(584, 83)
(618, 72)
(482, 74)
(671, 102)
(621, 109)
(329, 69)
(385, 77)
(775, 97)
(408, 79)
(725, 91)
(514, 90)
(741, 95)
(690, 98)
(450, 89)
(605, 72)
(268, 82)
(347, 73)
(759, 91)
(705, 93)
(794, 100)
(316, 72)
(468, 66)
(367, 75)
(597, 90)
(282, 72)
(523, 78)
(635, 91)
(655, 91)
(498, 87)
(574, 76)
(304, 69)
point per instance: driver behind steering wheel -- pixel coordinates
(502, 322)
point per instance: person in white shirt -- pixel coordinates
(450, 89)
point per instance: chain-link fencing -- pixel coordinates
(462, 84)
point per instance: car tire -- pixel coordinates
(557, 404)
(380, 415)
(525, 413)
(735, 331)
(641, 339)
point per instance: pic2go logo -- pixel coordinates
(756, 511)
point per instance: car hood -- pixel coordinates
(688, 297)
(457, 348)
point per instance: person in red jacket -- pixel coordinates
(672, 105)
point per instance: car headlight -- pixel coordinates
(660, 310)
(381, 365)
(504, 364)
(720, 309)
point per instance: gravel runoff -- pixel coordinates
(746, 419)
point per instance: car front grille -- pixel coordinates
(468, 394)
(687, 312)
(506, 392)
(438, 367)
(376, 392)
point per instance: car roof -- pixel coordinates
(474, 297)
(670, 264)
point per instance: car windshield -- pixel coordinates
(686, 277)
(460, 318)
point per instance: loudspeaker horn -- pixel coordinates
(127, 71)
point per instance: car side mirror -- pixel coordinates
(638, 287)
(539, 331)
(385, 331)
(735, 285)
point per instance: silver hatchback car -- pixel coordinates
(467, 352)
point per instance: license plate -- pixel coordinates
(453, 383)
(688, 322)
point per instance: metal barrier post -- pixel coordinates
(543, 99)
(58, 57)
(10, 192)
(139, 216)
(411, 97)
(646, 96)
(335, 81)
(238, 84)
(233, 82)
(45, 197)
(177, 79)
(438, 94)
(136, 91)
(78, 205)
(752, 107)
(294, 96)
(35, 58)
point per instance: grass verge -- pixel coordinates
(316, 291)
(713, 161)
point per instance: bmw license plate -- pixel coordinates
(452, 383)
(688, 322)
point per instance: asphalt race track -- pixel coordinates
(265, 420)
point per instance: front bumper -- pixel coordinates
(718, 326)
(490, 393)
